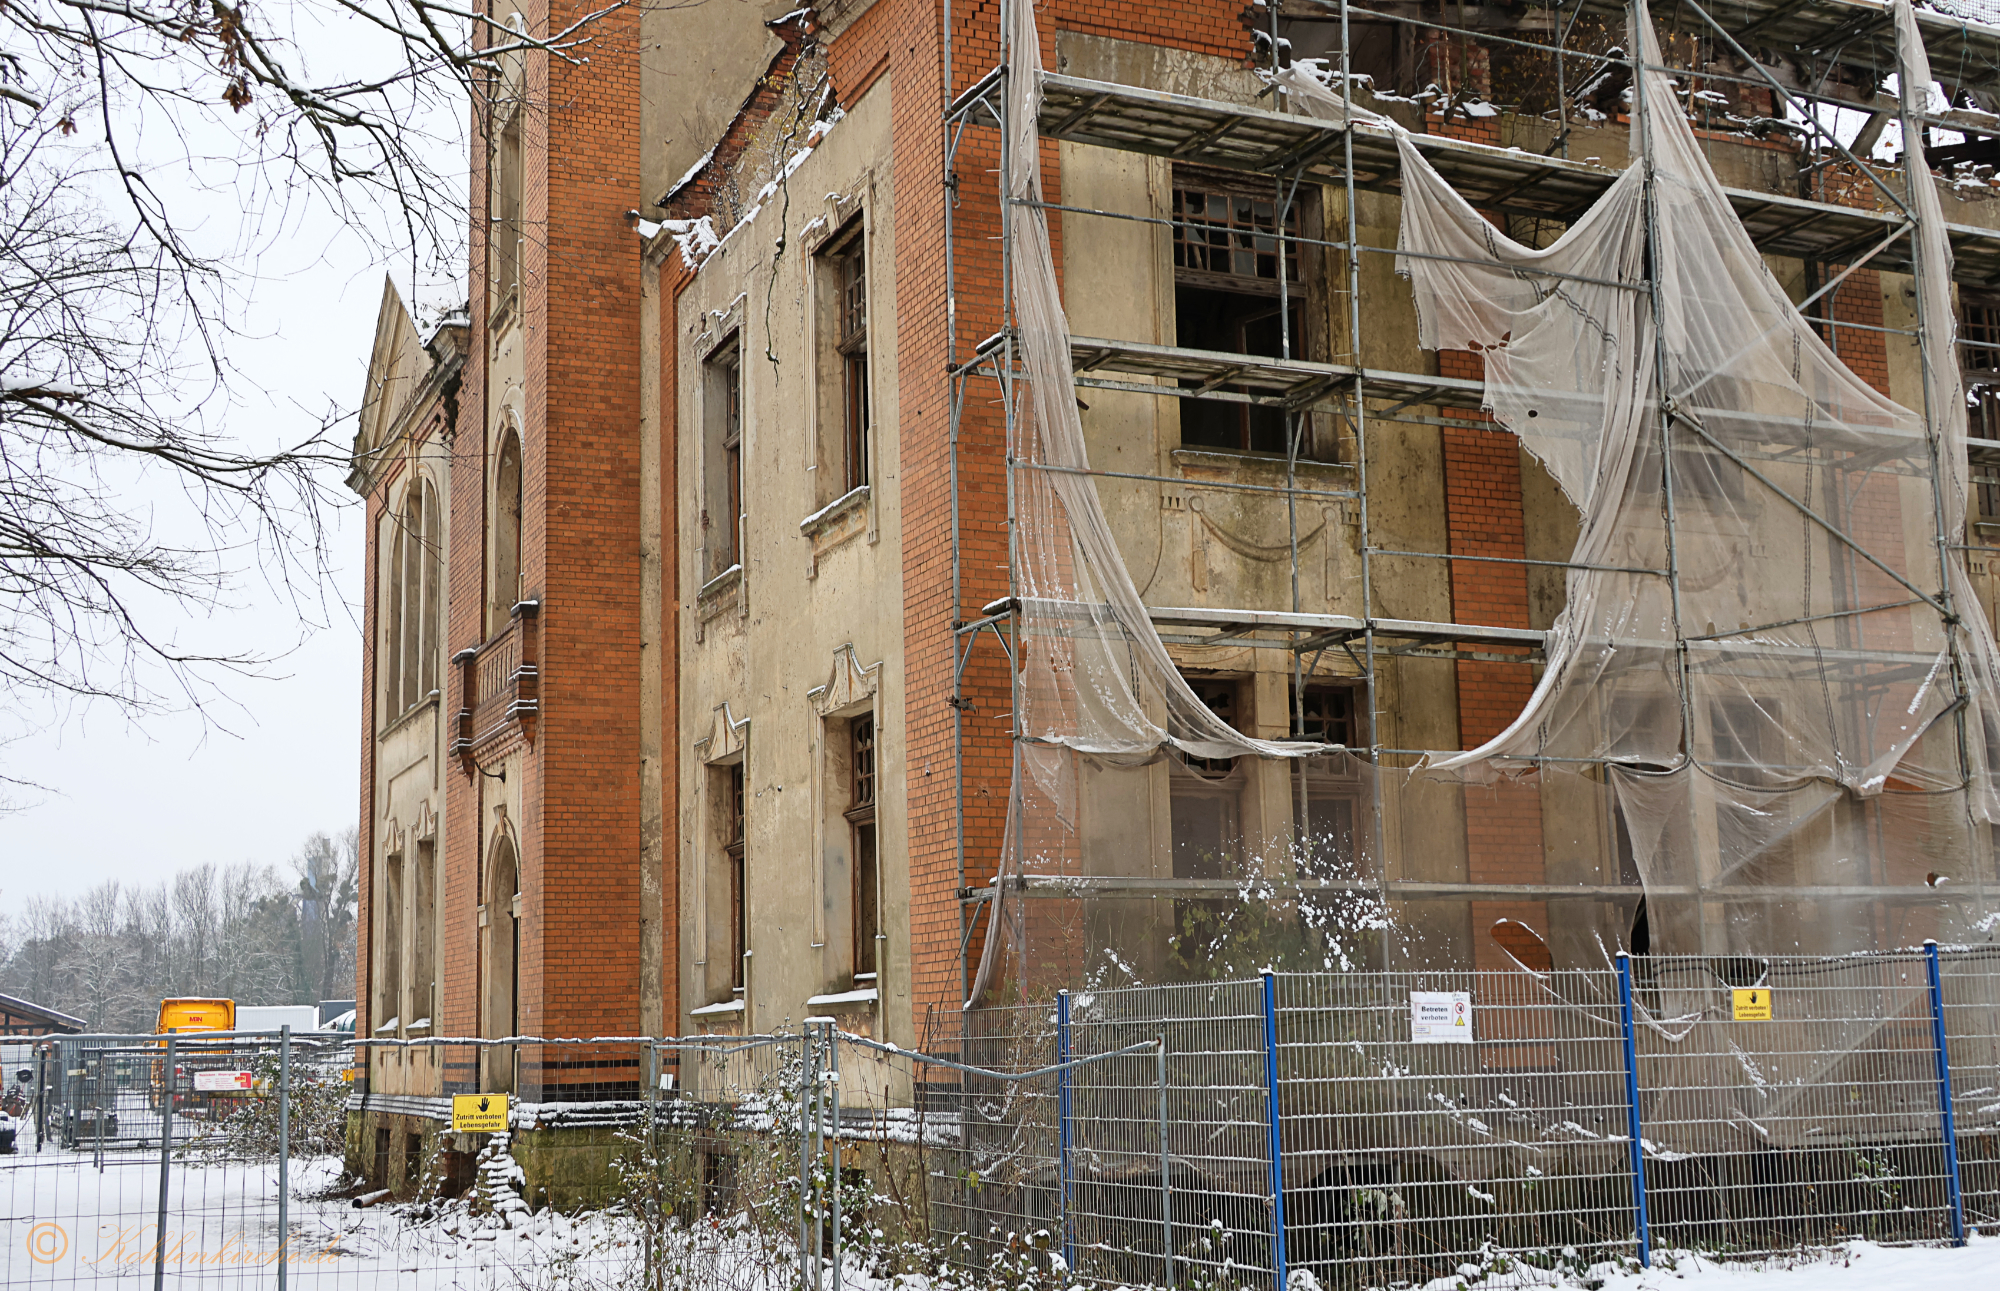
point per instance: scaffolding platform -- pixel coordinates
(1209, 132)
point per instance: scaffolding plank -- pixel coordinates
(1300, 381)
(1257, 140)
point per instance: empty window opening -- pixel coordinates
(412, 603)
(1331, 789)
(508, 190)
(861, 818)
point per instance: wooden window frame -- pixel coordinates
(850, 271)
(734, 850)
(865, 903)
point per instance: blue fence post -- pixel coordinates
(1944, 1094)
(1062, 1129)
(1632, 1109)
(1278, 1275)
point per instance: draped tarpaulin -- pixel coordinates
(1772, 688)
(1796, 701)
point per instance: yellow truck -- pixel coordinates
(187, 1015)
(182, 1018)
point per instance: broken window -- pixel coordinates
(722, 509)
(861, 818)
(739, 906)
(1227, 260)
(1205, 797)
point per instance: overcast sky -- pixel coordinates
(279, 758)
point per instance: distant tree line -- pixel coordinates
(244, 931)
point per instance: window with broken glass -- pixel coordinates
(1228, 258)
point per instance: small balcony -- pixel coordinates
(500, 685)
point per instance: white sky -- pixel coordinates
(280, 757)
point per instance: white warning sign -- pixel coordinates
(1440, 1017)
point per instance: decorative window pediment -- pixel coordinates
(848, 685)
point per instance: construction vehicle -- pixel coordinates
(181, 1018)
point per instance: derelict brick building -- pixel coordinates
(747, 581)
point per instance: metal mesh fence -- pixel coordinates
(1970, 987)
(1404, 1160)
(1369, 1129)
(1816, 1123)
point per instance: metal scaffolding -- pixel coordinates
(1849, 39)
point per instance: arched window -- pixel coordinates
(411, 578)
(389, 657)
(433, 635)
(506, 532)
(412, 602)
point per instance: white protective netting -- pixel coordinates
(1794, 707)
(1779, 706)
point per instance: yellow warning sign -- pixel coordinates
(479, 1113)
(1752, 1005)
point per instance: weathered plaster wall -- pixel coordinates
(761, 642)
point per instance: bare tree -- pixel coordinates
(99, 973)
(327, 893)
(117, 124)
(239, 931)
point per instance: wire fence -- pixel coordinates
(1366, 1129)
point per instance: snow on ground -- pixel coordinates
(1860, 1266)
(63, 1222)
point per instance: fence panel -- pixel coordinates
(1789, 1102)
(1504, 1135)
(997, 1191)
(1971, 987)
(1208, 1185)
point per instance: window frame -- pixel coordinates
(1234, 232)
(735, 853)
(857, 415)
(865, 899)
(722, 438)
